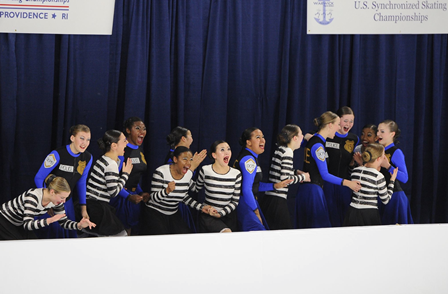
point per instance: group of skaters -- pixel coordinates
(344, 181)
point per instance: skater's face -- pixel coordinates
(137, 133)
(346, 123)
(121, 144)
(182, 163)
(222, 154)
(187, 139)
(256, 142)
(80, 142)
(334, 127)
(58, 198)
(385, 136)
(368, 136)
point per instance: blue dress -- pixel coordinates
(62, 162)
(398, 210)
(247, 163)
(340, 154)
(311, 204)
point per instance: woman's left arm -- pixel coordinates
(398, 161)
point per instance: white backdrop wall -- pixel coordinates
(383, 259)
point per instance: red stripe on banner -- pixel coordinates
(46, 6)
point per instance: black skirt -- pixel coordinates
(362, 217)
(8, 231)
(154, 222)
(103, 215)
(276, 212)
(210, 224)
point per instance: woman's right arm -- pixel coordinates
(319, 155)
(158, 186)
(248, 169)
(30, 209)
(199, 183)
(50, 162)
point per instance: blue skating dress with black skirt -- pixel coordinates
(398, 210)
(62, 162)
(340, 154)
(311, 205)
(126, 211)
(247, 163)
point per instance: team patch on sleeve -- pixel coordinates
(50, 161)
(250, 165)
(320, 153)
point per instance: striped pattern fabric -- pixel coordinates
(373, 185)
(21, 211)
(168, 203)
(221, 191)
(282, 169)
(105, 181)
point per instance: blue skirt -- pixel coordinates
(338, 201)
(54, 230)
(185, 212)
(397, 211)
(311, 207)
(126, 211)
(248, 220)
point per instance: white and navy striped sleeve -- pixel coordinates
(30, 204)
(64, 222)
(235, 197)
(199, 183)
(385, 193)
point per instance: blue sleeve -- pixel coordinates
(247, 183)
(318, 153)
(49, 164)
(266, 187)
(139, 189)
(124, 193)
(398, 161)
(120, 166)
(82, 183)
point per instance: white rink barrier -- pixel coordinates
(382, 259)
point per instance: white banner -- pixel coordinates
(85, 17)
(377, 17)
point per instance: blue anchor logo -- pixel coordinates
(324, 21)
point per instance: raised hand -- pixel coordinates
(197, 159)
(127, 166)
(171, 187)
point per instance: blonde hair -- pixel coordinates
(79, 128)
(372, 152)
(58, 184)
(325, 119)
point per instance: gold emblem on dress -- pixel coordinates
(143, 158)
(81, 167)
(349, 146)
(307, 155)
(388, 157)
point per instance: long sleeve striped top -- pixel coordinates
(282, 169)
(373, 185)
(21, 211)
(221, 191)
(168, 203)
(105, 182)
